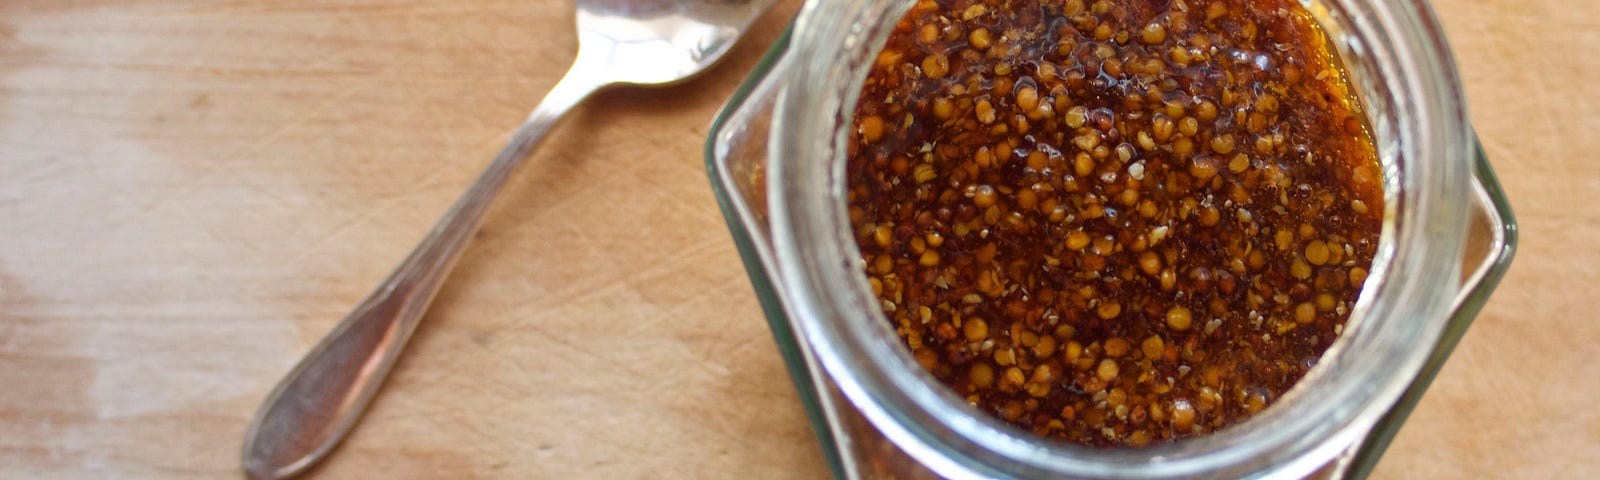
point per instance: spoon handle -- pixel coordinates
(317, 403)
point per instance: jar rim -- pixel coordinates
(813, 248)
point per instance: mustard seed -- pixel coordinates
(935, 66)
(1153, 33)
(1108, 370)
(1179, 318)
(979, 38)
(871, 128)
(1153, 347)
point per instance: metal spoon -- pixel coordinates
(636, 42)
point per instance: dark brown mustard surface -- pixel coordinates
(1113, 222)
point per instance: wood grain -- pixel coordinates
(193, 191)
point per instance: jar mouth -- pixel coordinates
(1401, 68)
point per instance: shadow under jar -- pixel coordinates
(778, 155)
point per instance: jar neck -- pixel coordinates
(1397, 55)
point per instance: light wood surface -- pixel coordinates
(193, 191)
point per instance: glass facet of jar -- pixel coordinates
(776, 160)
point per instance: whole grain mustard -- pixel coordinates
(1115, 223)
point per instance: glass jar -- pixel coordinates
(776, 156)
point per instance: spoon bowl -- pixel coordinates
(663, 41)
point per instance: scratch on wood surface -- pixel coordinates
(290, 9)
(334, 234)
(386, 75)
(658, 271)
(538, 328)
(34, 170)
(10, 297)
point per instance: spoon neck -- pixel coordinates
(444, 243)
(580, 81)
(586, 76)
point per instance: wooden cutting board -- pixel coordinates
(193, 191)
